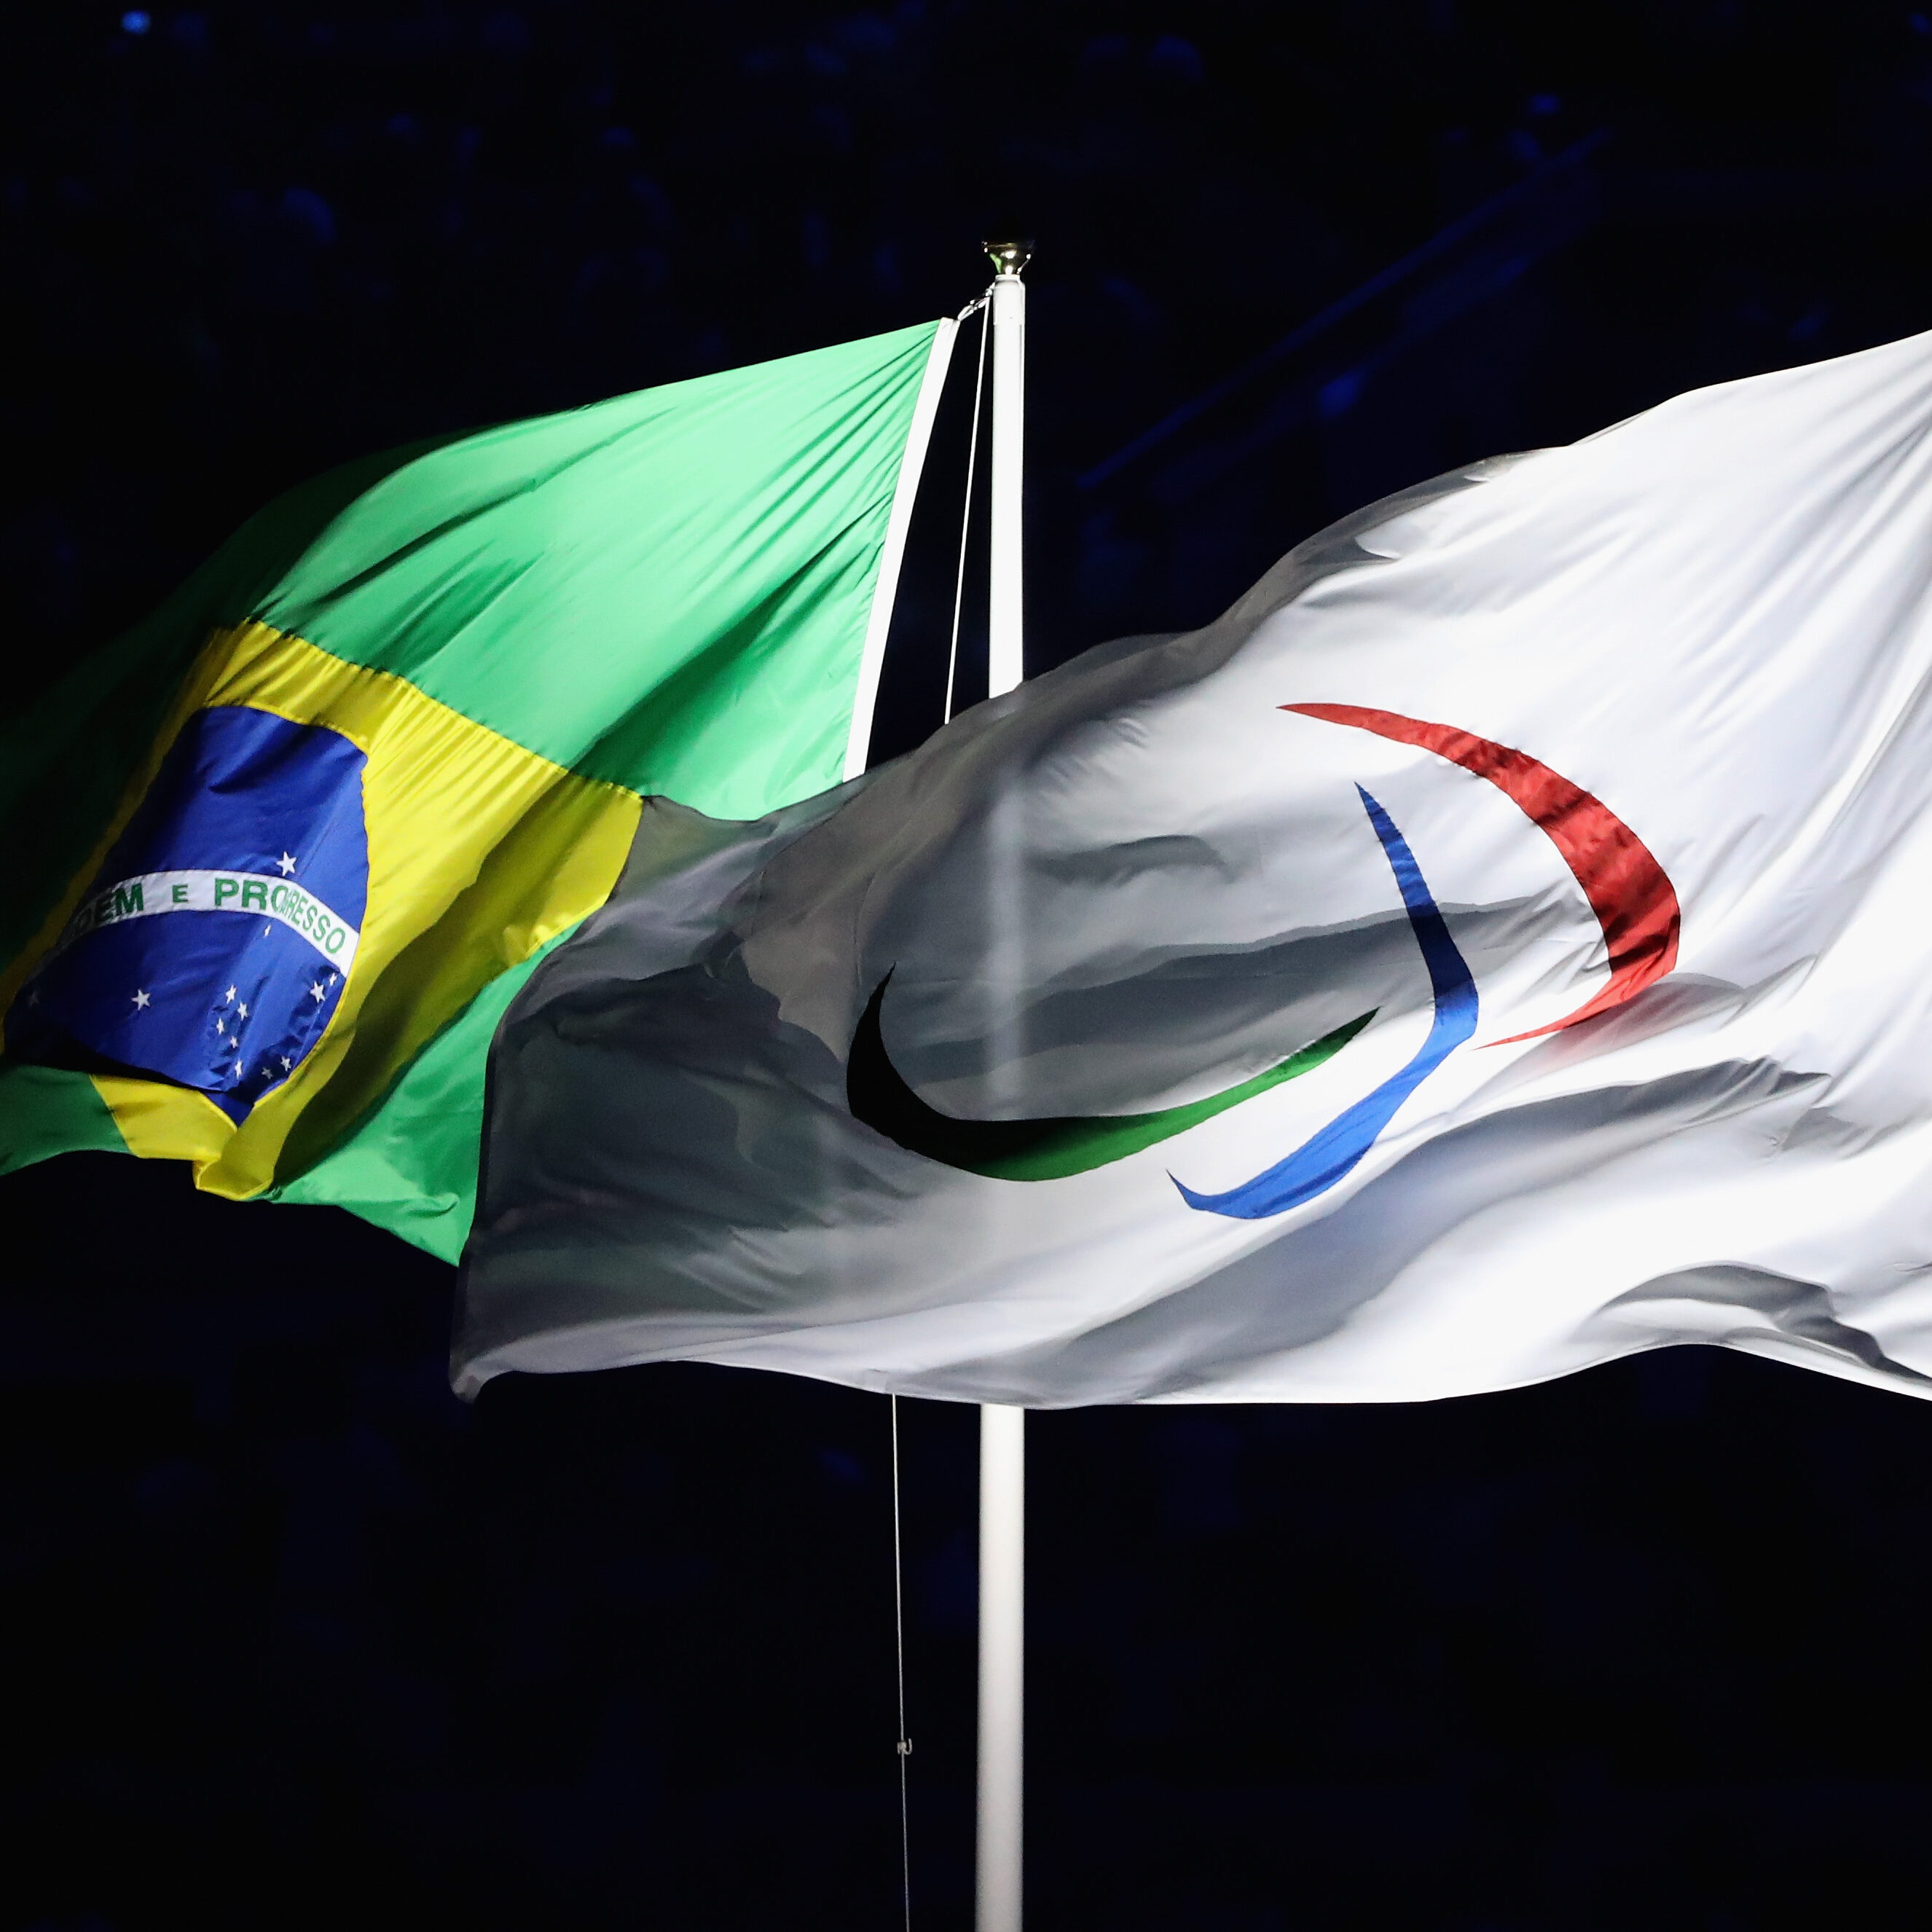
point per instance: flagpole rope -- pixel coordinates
(985, 307)
(899, 1643)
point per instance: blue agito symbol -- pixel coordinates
(212, 947)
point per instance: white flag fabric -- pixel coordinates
(1500, 943)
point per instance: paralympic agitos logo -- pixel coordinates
(1633, 902)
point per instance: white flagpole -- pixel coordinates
(1005, 622)
(997, 1864)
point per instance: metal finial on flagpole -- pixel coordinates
(1009, 257)
(997, 1859)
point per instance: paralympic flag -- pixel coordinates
(281, 857)
(1502, 942)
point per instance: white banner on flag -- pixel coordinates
(1500, 943)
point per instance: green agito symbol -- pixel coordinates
(1048, 1149)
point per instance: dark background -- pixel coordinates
(293, 1639)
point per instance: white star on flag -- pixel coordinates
(287, 862)
(219, 1027)
(243, 1009)
(287, 1062)
(141, 998)
(231, 994)
(238, 1066)
(315, 989)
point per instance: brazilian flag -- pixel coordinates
(281, 857)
